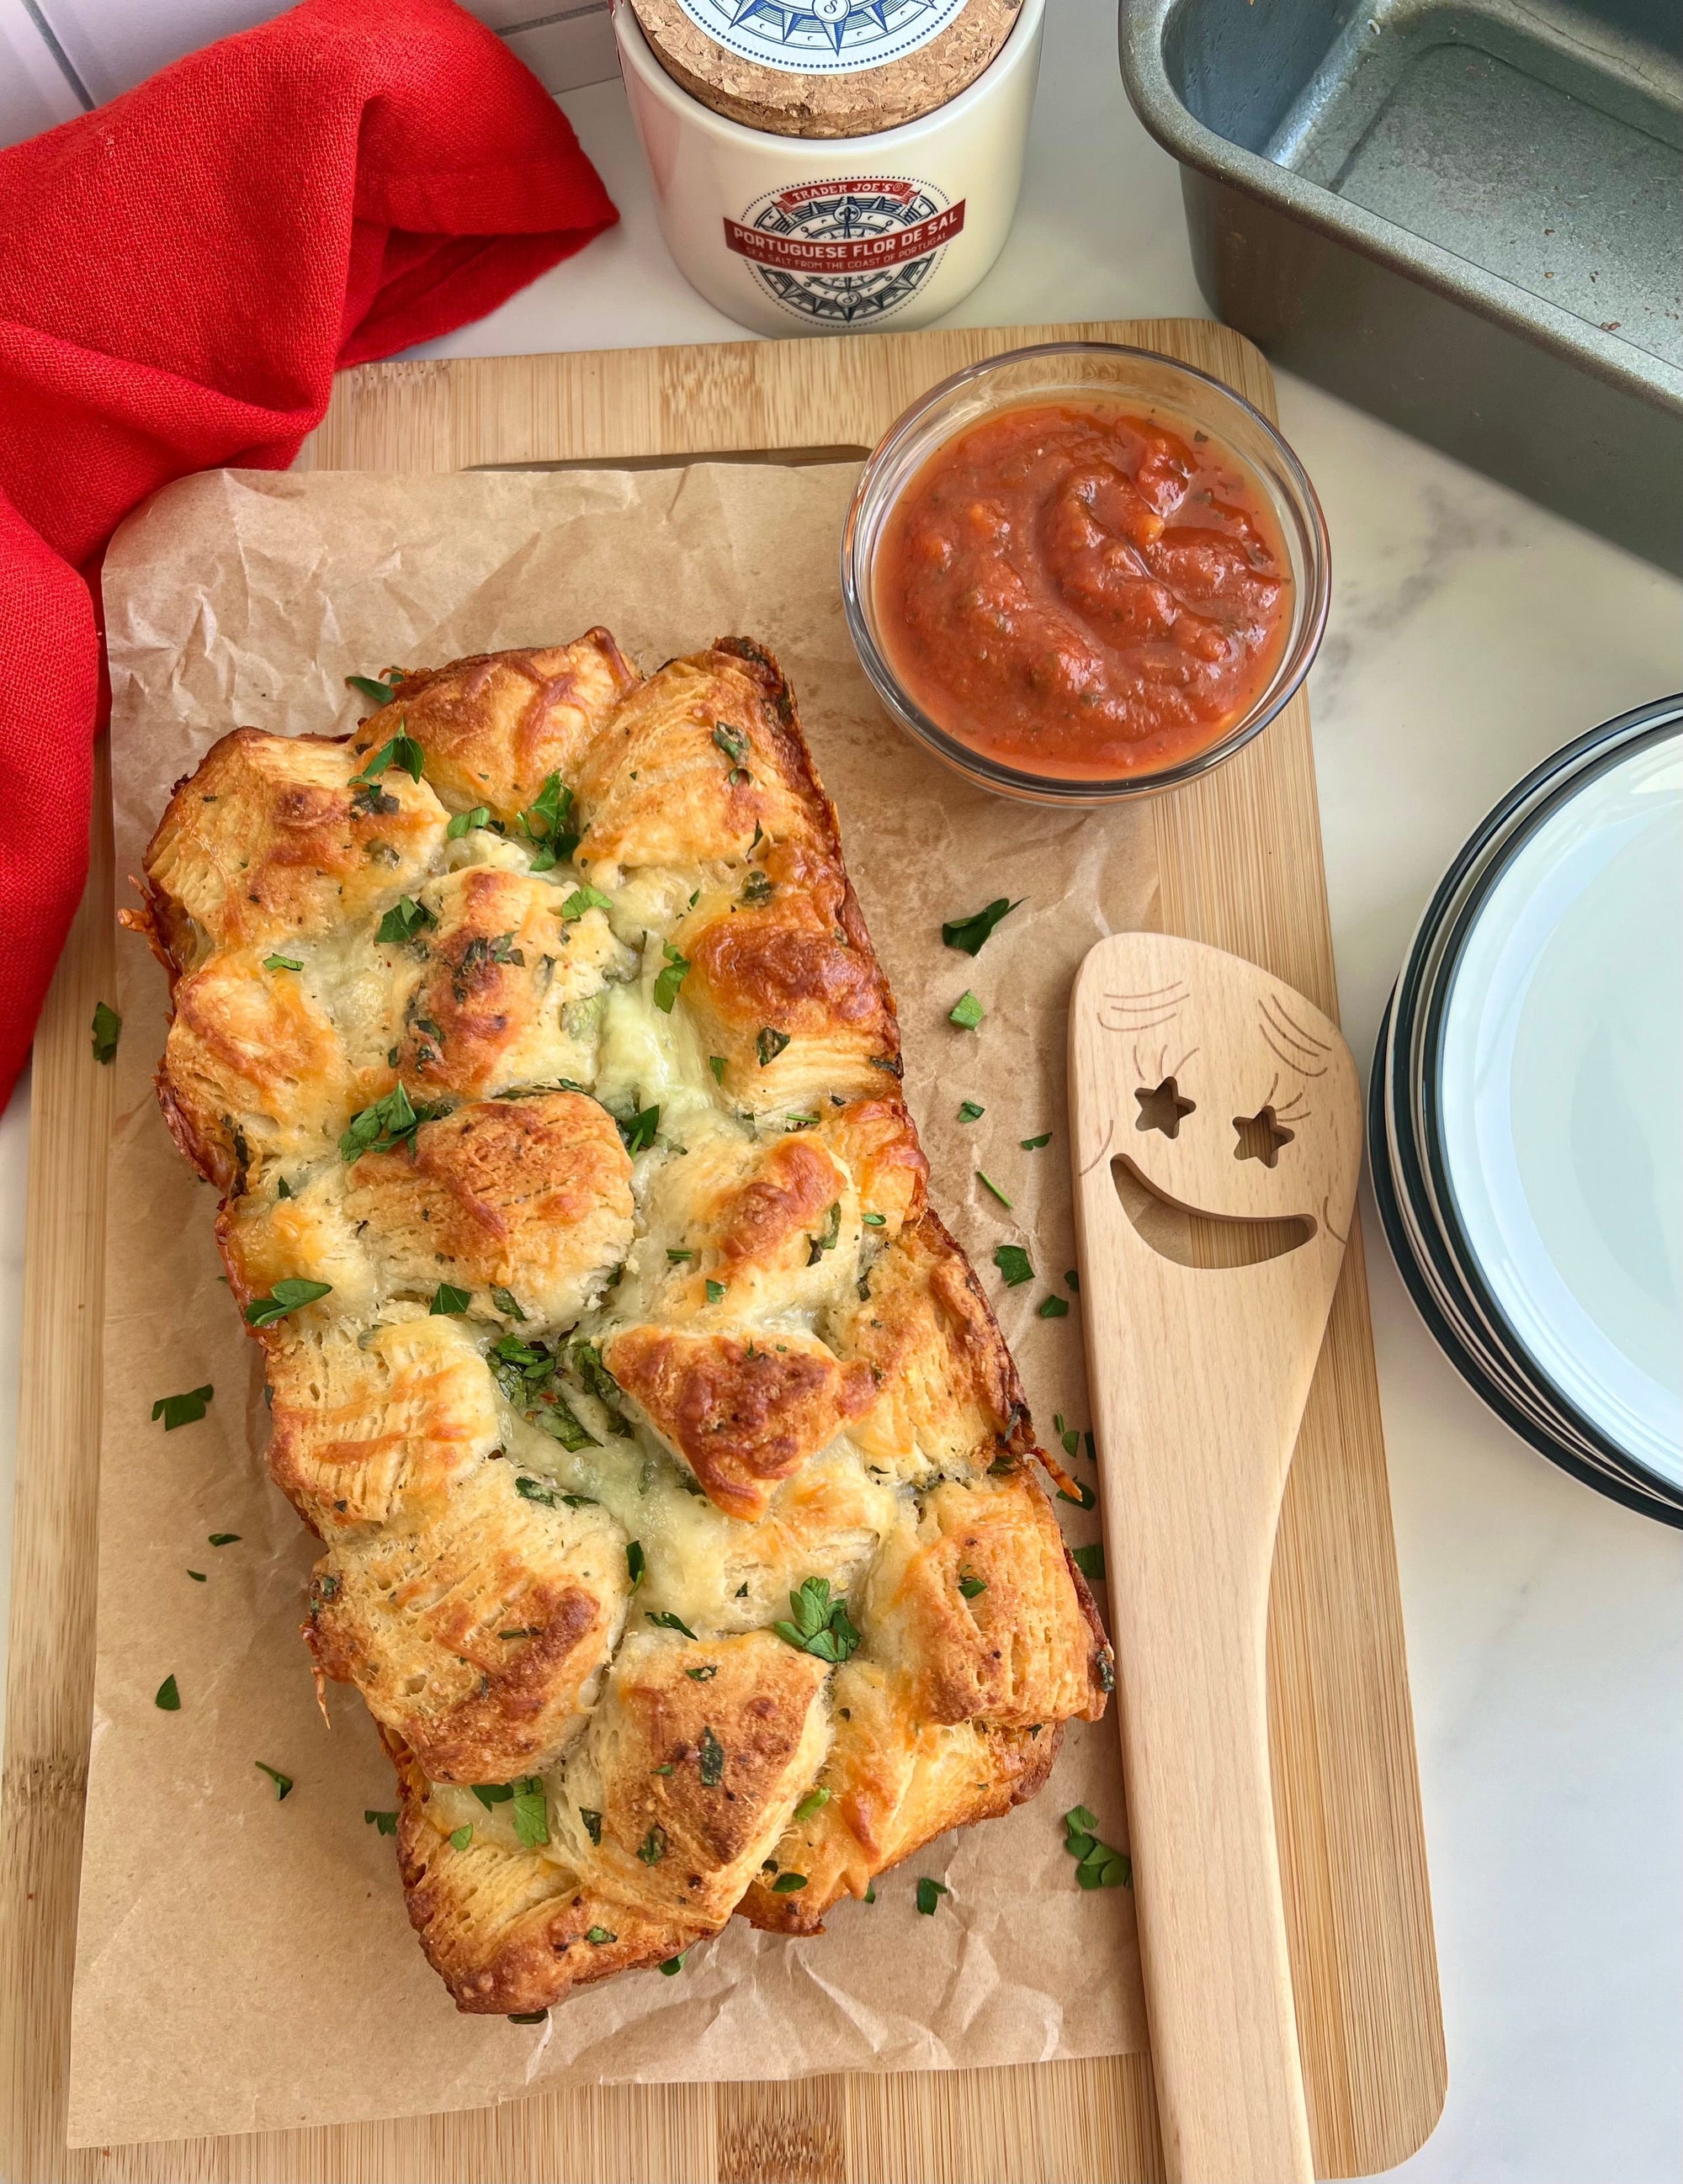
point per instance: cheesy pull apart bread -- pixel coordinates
(672, 1479)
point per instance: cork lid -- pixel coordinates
(828, 68)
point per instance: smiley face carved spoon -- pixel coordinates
(1216, 1120)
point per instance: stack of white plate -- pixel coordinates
(1526, 1116)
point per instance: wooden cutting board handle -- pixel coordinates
(1200, 1085)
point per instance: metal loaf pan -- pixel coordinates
(1465, 215)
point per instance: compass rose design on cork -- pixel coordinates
(822, 34)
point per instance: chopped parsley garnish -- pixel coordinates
(825, 1240)
(812, 1804)
(712, 1760)
(715, 1291)
(108, 1027)
(199, 1576)
(545, 824)
(377, 694)
(370, 801)
(1054, 1307)
(492, 1793)
(676, 1258)
(970, 933)
(403, 921)
(1084, 1496)
(285, 1298)
(1014, 1264)
(582, 898)
(672, 1966)
(668, 1621)
(183, 1410)
(875, 1220)
(1034, 1145)
(527, 2016)
(639, 1131)
(929, 1894)
(1089, 1560)
(391, 1122)
(282, 1188)
(820, 1626)
(283, 1783)
(731, 742)
(168, 1698)
(1071, 1280)
(281, 963)
(669, 979)
(757, 888)
(593, 1822)
(988, 1184)
(504, 1302)
(770, 1044)
(652, 1847)
(968, 1112)
(402, 750)
(539, 1491)
(223, 1538)
(787, 1883)
(715, 1062)
(448, 1300)
(599, 1936)
(970, 1586)
(385, 1824)
(704, 1674)
(1097, 1865)
(532, 1813)
(525, 1373)
(464, 822)
(967, 1011)
(636, 1562)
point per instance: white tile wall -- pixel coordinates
(60, 56)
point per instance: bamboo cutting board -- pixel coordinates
(1239, 866)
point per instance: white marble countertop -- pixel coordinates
(1471, 633)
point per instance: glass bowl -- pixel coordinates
(1147, 383)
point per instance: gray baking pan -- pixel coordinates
(1466, 215)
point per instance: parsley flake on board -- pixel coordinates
(672, 1966)
(929, 1894)
(462, 1836)
(669, 979)
(1034, 1145)
(1053, 1308)
(222, 1539)
(199, 1576)
(1097, 1865)
(820, 1626)
(283, 1783)
(183, 1410)
(377, 693)
(107, 1028)
(988, 1184)
(528, 2016)
(770, 1044)
(385, 1824)
(1084, 1496)
(1089, 1560)
(967, 1011)
(1071, 1280)
(281, 963)
(391, 1122)
(448, 1301)
(968, 1112)
(532, 1813)
(402, 750)
(285, 1298)
(668, 1621)
(169, 1698)
(970, 933)
(464, 822)
(1014, 1264)
(712, 1760)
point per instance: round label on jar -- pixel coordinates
(824, 37)
(838, 252)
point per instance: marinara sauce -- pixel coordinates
(1077, 590)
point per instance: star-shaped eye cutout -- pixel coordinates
(1161, 1108)
(1261, 1137)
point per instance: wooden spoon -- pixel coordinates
(1200, 1086)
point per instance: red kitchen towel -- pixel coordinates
(181, 274)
